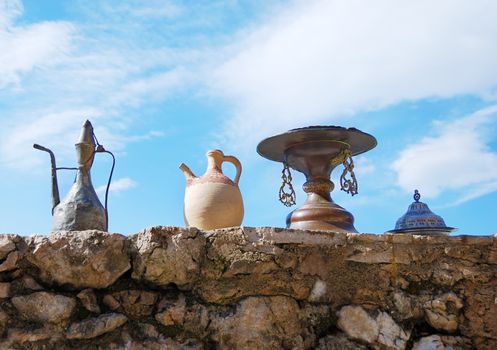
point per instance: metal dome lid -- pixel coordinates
(419, 219)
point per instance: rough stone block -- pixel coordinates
(86, 259)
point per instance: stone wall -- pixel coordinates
(247, 288)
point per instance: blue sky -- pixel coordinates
(163, 81)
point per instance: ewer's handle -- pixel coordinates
(233, 160)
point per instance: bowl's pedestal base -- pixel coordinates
(318, 213)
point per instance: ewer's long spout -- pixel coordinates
(55, 185)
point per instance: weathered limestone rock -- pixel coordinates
(28, 336)
(437, 342)
(166, 255)
(229, 290)
(338, 342)
(89, 300)
(237, 266)
(111, 302)
(433, 342)
(86, 259)
(44, 307)
(147, 330)
(174, 313)
(447, 275)
(4, 319)
(480, 312)
(357, 324)
(93, 327)
(197, 320)
(391, 335)
(7, 244)
(403, 304)
(442, 312)
(4, 290)
(492, 256)
(10, 263)
(134, 303)
(162, 343)
(370, 256)
(29, 282)
(276, 236)
(381, 330)
(274, 324)
(318, 291)
(246, 288)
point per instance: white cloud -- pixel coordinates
(99, 78)
(9, 9)
(457, 158)
(320, 61)
(57, 131)
(133, 92)
(23, 48)
(311, 62)
(363, 165)
(117, 186)
(475, 192)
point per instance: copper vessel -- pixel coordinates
(315, 151)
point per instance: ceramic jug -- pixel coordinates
(213, 200)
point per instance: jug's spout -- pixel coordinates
(55, 186)
(186, 170)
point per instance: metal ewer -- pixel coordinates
(81, 209)
(420, 220)
(316, 151)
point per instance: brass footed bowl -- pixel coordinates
(315, 151)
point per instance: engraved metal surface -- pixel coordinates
(419, 219)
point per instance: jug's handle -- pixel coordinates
(233, 160)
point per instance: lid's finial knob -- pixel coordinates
(417, 196)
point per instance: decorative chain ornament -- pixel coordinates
(348, 185)
(287, 198)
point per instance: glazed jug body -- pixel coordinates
(213, 200)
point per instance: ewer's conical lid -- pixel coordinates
(419, 219)
(85, 146)
(86, 135)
